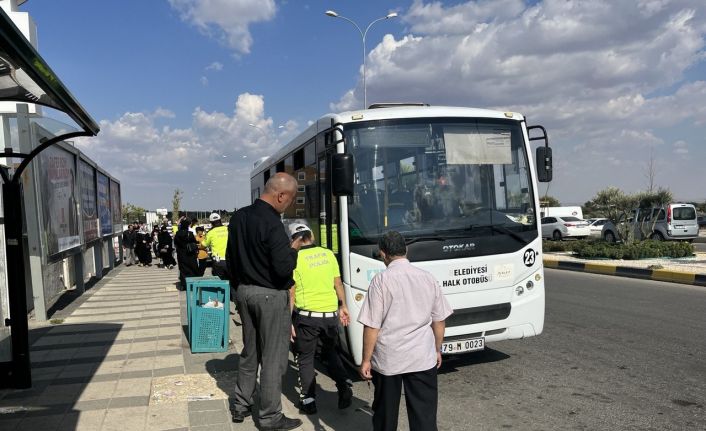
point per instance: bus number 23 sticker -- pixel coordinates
(529, 257)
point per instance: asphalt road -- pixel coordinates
(700, 246)
(616, 354)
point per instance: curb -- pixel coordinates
(626, 271)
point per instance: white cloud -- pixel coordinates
(216, 66)
(204, 81)
(227, 20)
(681, 148)
(152, 160)
(604, 77)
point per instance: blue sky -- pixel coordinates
(174, 83)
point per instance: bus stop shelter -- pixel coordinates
(26, 78)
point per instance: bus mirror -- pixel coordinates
(342, 174)
(544, 164)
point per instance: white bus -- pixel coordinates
(458, 183)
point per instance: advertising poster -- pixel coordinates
(59, 209)
(106, 220)
(89, 211)
(115, 207)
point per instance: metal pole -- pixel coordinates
(365, 73)
(363, 34)
(21, 377)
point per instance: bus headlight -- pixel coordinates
(529, 285)
(537, 277)
(519, 290)
(359, 297)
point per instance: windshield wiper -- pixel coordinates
(499, 228)
(424, 238)
(440, 238)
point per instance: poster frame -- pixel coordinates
(100, 172)
(42, 202)
(93, 166)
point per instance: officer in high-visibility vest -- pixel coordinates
(318, 305)
(217, 241)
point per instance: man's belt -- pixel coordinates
(315, 313)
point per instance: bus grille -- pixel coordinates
(487, 313)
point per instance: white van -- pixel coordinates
(678, 223)
(574, 211)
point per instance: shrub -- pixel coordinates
(638, 250)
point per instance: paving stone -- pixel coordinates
(98, 390)
(139, 364)
(122, 419)
(121, 402)
(214, 427)
(133, 387)
(88, 405)
(167, 416)
(161, 372)
(210, 417)
(136, 374)
(203, 405)
(90, 420)
(110, 367)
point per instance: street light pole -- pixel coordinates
(363, 34)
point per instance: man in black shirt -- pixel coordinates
(261, 260)
(129, 245)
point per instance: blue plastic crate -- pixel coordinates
(209, 326)
(190, 282)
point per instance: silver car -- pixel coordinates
(672, 222)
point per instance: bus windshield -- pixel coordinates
(440, 178)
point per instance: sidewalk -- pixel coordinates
(121, 361)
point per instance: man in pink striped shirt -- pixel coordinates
(403, 314)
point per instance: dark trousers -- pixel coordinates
(420, 389)
(266, 324)
(309, 331)
(202, 267)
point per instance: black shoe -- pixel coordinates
(283, 424)
(308, 409)
(239, 417)
(345, 397)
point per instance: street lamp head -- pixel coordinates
(391, 15)
(332, 13)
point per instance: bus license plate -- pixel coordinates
(461, 346)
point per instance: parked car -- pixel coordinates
(672, 222)
(596, 226)
(701, 220)
(558, 228)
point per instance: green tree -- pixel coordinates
(176, 204)
(132, 212)
(609, 202)
(549, 201)
(617, 205)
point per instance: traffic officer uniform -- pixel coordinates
(315, 317)
(217, 241)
